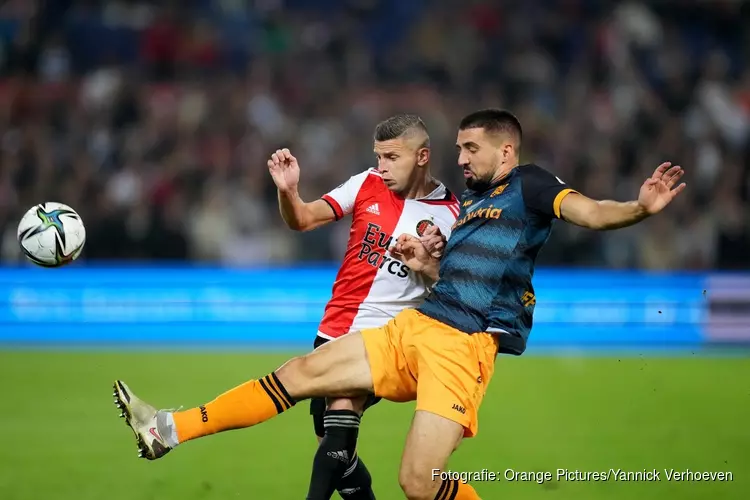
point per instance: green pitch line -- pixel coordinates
(62, 439)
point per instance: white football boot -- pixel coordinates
(147, 423)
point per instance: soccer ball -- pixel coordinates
(51, 234)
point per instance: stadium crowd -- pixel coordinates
(154, 120)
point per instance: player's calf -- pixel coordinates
(357, 482)
(339, 368)
(429, 445)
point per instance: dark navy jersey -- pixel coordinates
(486, 271)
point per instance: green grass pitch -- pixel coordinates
(62, 440)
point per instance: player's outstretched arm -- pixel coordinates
(655, 194)
(297, 214)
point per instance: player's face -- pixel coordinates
(399, 162)
(483, 157)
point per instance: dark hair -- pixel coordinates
(494, 121)
(399, 125)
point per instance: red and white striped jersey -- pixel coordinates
(371, 286)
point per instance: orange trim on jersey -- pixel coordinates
(338, 212)
(558, 200)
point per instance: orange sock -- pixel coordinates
(246, 405)
(456, 490)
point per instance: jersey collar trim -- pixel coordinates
(495, 184)
(439, 193)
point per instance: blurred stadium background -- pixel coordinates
(154, 120)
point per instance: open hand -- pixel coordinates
(657, 192)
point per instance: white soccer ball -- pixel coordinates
(51, 234)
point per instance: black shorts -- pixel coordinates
(318, 405)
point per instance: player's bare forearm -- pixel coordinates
(301, 216)
(616, 215)
(655, 194)
(601, 215)
(293, 210)
(429, 267)
(431, 270)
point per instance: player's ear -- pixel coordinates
(508, 151)
(423, 156)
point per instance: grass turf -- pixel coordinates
(62, 438)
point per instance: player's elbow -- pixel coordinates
(596, 223)
(599, 222)
(589, 219)
(307, 226)
(583, 212)
(296, 225)
(299, 222)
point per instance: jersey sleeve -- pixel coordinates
(543, 192)
(343, 198)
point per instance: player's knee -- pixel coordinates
(338, 369)
(308, 366)
(299, 375)
(417, 484)
(416, 489)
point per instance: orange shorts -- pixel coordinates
(447, 371)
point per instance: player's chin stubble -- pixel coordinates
(478, 185)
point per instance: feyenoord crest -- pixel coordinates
(423, 225)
